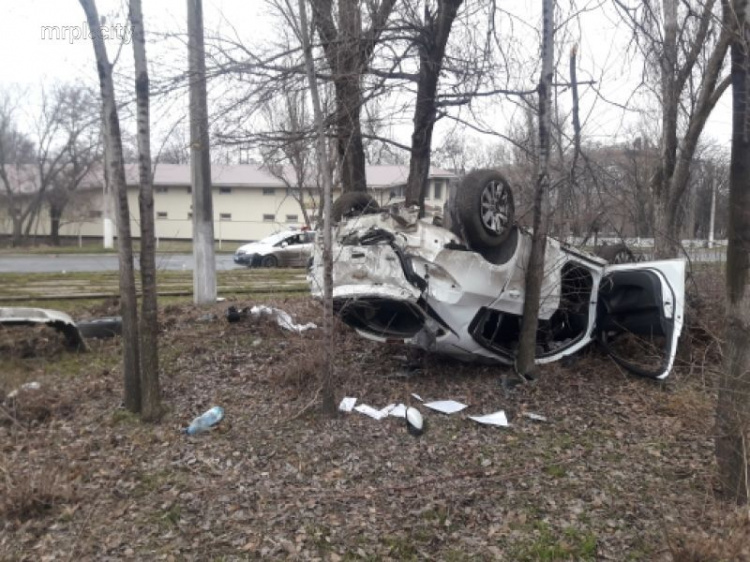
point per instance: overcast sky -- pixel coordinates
(29, 59)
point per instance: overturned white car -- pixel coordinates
(458, 289)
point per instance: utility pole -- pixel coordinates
(204, 272)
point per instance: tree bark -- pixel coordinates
(348, 50)
(55, 216)
(525, 361)
(116, 173)
(204, 273)
(149, 326)
(673, 173)
(328, 403)
(433, 39)
(733, 409)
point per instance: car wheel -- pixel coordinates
(269, 261)
(616, 253)
(353, 203)
(485, 208)
(101, 327)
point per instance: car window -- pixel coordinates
(309, 237)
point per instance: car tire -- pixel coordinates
(101, 327)
(485, 209)
(353, 203)
(269, 261)
(616, 253)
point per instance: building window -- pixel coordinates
(225, 216)
(438, 190)
(269, 191)
(225, 190)
(161, 189)
(269, 218)
(95, 214)
(292, 218)
(161, 215)
(190, 216)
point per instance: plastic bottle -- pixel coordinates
(206, 420)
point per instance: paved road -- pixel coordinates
(51, 263)
(39, 263)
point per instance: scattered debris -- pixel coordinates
(23, 388)
(535, 417)
(220, 299)
(498, 418)
(398, 411)
(370, 411)
(414, 421)
(206, 420)
(446, 406)
(17, 316)
(347, 404)
(207, 318)
(235, 315)
(416, 396)
(283, 319)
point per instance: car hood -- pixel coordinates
(255, 248)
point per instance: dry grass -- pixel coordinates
(29, 495)
(730, 542)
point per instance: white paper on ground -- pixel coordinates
(535, 417)
(417, 396)
(370, 411)
(387, 410)
(398, 412)
(446, 406)
(282, 318)
(347, 404)
(498, 418)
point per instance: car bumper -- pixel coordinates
(248, 260)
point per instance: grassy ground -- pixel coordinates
(95, 247)
(623, 470)
(50, 290)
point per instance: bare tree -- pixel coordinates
(36, 166)
(348, 49)
(116, 176)
(431, 43)
(687, 54)
(733, 408)
(149, 326)
(525, 360)
(328, 404)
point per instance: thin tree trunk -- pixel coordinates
(328, 403)
(55, 215)
(204, 273)
(149, 326)
(525, 362)
(431, 53)
(733, 409)
(116, 174)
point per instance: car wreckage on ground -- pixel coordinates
(455, 284)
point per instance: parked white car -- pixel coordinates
(460, 291)
(291, 248)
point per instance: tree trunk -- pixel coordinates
(434, 38)
(204, 273)
(149, 326)
(525, 361)
(733, 409)
(328, 403)
(116, 174)
(55, 216)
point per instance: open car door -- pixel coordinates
(640, 314)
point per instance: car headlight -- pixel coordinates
(239, 252)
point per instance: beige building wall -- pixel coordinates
(240, 213)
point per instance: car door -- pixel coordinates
(640, 314)
(306, 248)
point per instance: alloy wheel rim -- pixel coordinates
(495, 207)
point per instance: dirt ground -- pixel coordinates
(622, 470)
